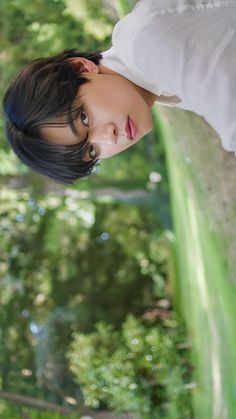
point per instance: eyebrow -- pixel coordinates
(72, 124)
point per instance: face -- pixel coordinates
(108, 100)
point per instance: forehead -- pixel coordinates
(62, 132)
(66, 130)
(59, 135)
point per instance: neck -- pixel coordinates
(149, 97)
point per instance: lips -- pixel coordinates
(130, 129)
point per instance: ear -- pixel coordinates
(84, 65)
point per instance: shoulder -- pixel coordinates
(167, 7)
(136, 26)
(158, 38)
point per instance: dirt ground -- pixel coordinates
(215, 171)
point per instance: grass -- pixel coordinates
(204, 292)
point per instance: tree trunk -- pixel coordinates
(21, 182)
(41, 404)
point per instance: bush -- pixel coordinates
(137, 369)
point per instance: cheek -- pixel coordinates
(106, 151)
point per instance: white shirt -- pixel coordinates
(184, 48)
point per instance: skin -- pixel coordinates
(108, 100)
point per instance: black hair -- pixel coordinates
(42, 91)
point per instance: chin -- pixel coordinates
(149, 129)
(149, 125)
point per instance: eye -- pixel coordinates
(82, 113)
(92, 151)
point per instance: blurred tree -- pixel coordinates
(137, 369)
(67, 263)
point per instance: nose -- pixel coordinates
(106, 134)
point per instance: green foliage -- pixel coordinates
(137, 369)
(9, 164)
(67, 264)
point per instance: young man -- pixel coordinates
(64, 113)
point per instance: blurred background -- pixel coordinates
(117, 293)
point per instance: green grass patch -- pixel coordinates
(203, 290)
